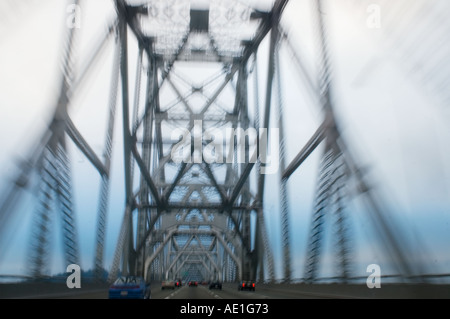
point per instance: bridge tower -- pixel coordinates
(196, 140)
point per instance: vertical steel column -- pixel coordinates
(167, 259)
(258, 252)
(264, 248)
(268, 99)
(146, 152)
(285, 233)
(242, 107)
(340, 220)
(124, 248)
(64, 195)
(125, 108)
(259, 246)
(128, 254)
(42, 222)
(323, 195)
(120, 246)
(107, 153)
(269, 85)
(231, 271)
(101, 228)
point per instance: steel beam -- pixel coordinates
(125, 100)
(274, 20)
(84, 147)
(100, 45)
(148, 179)
(209, 206)
(304, 153)
(210, 174)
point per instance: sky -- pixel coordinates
(393, 124)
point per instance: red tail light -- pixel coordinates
(243, 284)
(253, 285)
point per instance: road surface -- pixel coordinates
(230, 291)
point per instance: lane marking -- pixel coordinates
(173, 293)
(214, 295)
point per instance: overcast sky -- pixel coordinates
(394, 126)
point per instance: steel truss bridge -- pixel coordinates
(199, 128)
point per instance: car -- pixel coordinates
(246, 285)
(129, 287)
(168, 284)
(215, 285)
(178, 283)
(193, 283)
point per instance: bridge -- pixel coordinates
(228, 140)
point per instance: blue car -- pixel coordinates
(130, 287)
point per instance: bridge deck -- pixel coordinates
(229, 291)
